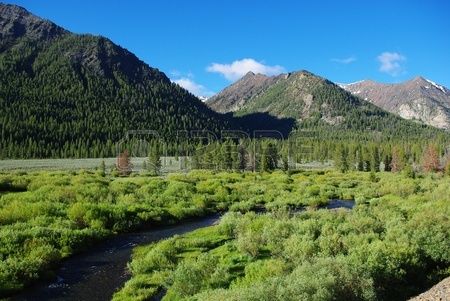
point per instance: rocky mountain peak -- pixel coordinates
(235, 96)
(16, 23)
(419, 79)
(11, 11)
(249, 74)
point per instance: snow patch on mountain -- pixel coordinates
(343, 86)
(437, 86)
(203, 98)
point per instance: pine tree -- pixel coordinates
(285, 160)
(387, 162)
(359, 161)
(430, 159)
(242, 157)
(398, 159)
(123, 164)
(208, 160)
(102, 168)
(447, 167)
(269, 158)
(367, 160)
(341, 159)
(154, 160)
(253, 160)
(227, 159)
(235, 157)
(272, 152)
(375, 164)
(284, 156)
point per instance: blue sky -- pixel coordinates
(206, 45)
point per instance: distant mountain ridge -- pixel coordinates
(419, 99)
(314, 102)
(291, 95)
(300, 95)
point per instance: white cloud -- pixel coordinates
(193, 87)
(179, 74)
(347, 60)
(239, 68)
(391, 63)
(175, 73)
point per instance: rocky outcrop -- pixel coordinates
(439, 292)
(419, 99)
(16, 22)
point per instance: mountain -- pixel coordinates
(71, 95)
(418, 99)
(314, 102)
(237, 95)
(299, 95)
(17, 23)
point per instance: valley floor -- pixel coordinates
(390, 246)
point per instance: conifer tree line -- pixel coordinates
(271, 154)
(261, 155)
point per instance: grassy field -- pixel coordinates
(46, 216)
(169, 164)
(392, 243)
(391, 246)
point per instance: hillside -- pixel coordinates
(239, 93)
(418, 99)
(69, 95)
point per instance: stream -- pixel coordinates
(96, 274)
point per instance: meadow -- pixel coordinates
(46, 216)
(397, 235)
(169, 164)
(393, 245)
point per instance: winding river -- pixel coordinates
(96, 274)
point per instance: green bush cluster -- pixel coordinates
(60, 213)
(47, 216)
(391, 246)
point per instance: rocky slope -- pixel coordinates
(16, 23)
(418, 99)
(238, 94)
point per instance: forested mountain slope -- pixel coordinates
(63, 94)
